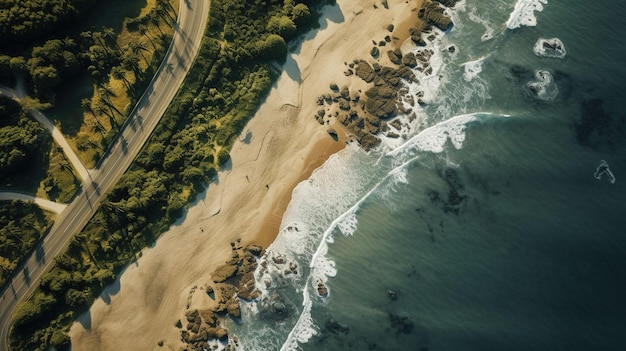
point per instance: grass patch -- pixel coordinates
(90, 129)
(61, 183)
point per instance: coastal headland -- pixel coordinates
(156, 298)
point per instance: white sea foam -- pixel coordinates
(524, 13)
(472, 69)
(489, 30)
(544, 87)
(603, 169)
(550, 48)
(321, 266)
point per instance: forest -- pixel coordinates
(26, 19)
(225, 87)
(114, 65)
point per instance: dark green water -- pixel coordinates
(489, 227)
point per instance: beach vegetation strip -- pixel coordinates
(224, 88)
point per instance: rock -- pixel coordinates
(223, 273)
(209, 318)
(393, 135)
(395, 56)
(344, 105)
(409, 60)
(217, 333)
(385, 4)
(334, 87)
(278, 259)
(345, 93)
(382, 43)
(390, 27)
(192, 315)
(392, 295)
(248, 293)
(328, 99)
(293, 267)
(368, 141)
(256, 250)
(322, 290)
(160, 343)
(447, 3)
(407, 74)
(434, 14)
(374, 52)
(333, 133)
(387, 39)
(396, 123)
(418, 40)
(233, 309)
(319, 116)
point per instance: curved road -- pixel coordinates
(192, 20)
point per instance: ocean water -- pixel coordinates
(496, 222)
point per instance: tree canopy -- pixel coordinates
(21, 138)
(26, 19)
(21, 225)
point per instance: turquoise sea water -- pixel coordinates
(483, 228)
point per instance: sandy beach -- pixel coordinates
(279, 147)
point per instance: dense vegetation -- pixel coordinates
(225, 87)
(25, 147)
(26, 19)
(21, 141)
(30, 162)
(113, 66)
(21, 225)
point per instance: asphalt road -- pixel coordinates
(192, 20)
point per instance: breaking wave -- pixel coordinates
(524, 13)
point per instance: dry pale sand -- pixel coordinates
(279, 147)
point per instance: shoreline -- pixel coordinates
(279, 147)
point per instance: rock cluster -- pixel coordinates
(231, 282)
(433, 14)
(364, 117)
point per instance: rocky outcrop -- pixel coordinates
(230, 282)
(364, 71)
(322, 290)
(364, 115)
(224, 273)
(433, 14)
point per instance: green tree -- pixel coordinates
(301, 15)
(282, 25)
(274, 47)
